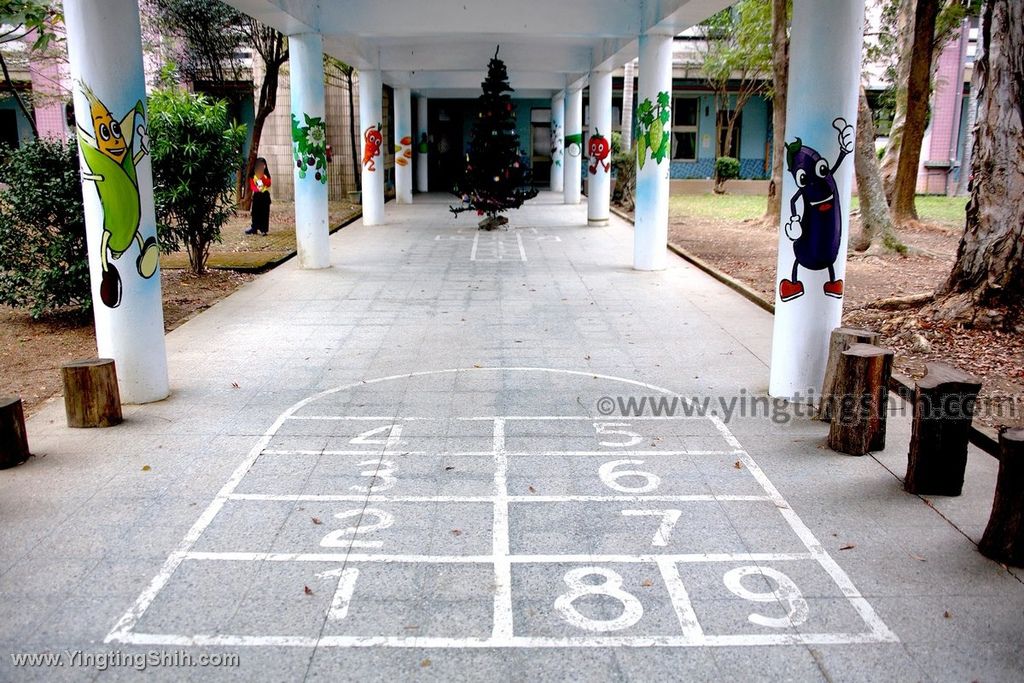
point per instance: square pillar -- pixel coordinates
(403, 145)
(654, 140)
(599, 148)
(309, 149)
(557, 141)
(821, 116)
(422, 146)
(572, 168)
(109, 89)
(370, 122)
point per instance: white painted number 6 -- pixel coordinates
(611, 477)
(787, 593)
(632, 610)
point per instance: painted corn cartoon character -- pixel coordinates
(110, 157)
(374, 140)
(598, 149)
(816, 232)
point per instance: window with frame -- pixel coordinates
(684, 128)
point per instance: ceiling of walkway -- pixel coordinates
(440, 48)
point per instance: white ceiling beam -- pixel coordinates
(287, 16)
(426, 56)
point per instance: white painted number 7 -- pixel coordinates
(668, 523)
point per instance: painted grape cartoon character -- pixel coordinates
(110, 155)
(374, 139)
(816, 232)
(599, 150)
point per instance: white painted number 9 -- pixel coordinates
(786, 593)
(611, 477)
(632, 610)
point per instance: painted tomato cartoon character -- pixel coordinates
(598, 149)
(374, 140)
(816, 232)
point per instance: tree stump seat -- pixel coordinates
(860, 399)
(91, 396)
(13, 437)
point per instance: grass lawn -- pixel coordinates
(948, 211)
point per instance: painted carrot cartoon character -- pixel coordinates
(374, 139)
(817, 232)
(110, 156)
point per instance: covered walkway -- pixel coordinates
(421, 462)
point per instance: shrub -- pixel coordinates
(726, 168)
(43, 259)
(196, 153)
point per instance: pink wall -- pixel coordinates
(937, 157)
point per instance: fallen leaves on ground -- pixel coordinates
(307, 590)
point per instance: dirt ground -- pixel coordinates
(746, 249)
(31, 351)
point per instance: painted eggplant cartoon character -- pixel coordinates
(110, 157)
(816, 232)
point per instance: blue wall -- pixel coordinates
(755, 134)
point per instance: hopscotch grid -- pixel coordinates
(123, 631)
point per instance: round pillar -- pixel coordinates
(403, 145)
(557, 141)
(422, 146)
(599, 148)
(653, 157)
(573, 163)
(372, 157)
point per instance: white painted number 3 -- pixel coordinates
(787, 593)
(632, 610)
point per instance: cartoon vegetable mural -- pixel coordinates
(574, 144)
(309, 146)
(651, 121)
(110, 157)
(403, 151)
(374, 140)
(556, 139)
(599, 150)
(817, 232)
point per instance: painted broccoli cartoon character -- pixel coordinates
(816, 232)
(110, 155)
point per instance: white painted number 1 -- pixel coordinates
(787, 593)
(668, 523)
(343, 593)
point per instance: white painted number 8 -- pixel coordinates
(787, 593)
(611, 478)
(632, 610)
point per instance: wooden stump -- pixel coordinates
(493, 223)
(943, 408)
(1003, 540)
(861, 392)
(91, 397)
(841, 339)
(13, 438)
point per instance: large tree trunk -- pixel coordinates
(267, 104)
(989, 268)
(919, 87)
(876, 224)
(780, 79)
(904, 43)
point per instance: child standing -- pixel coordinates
(259, 183)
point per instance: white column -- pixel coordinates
(821, 115)
(105, 54)
(573, 138)
(628, 74)
(653, 143)
(403, 145)
(557, 141)
(599, 148)
(309, 149)
(422, 146)
(372, 146)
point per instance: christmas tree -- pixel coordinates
(497, 177)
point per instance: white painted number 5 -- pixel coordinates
(787, 594)
(606, 428)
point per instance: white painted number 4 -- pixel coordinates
(394, 435)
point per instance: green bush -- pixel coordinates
(727, 168)
(43, 260)
(196, 153)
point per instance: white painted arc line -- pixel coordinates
(230, 556)
(751, 640)
(513, 454)
(343, 498)
(489, 418)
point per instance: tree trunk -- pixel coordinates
(352, 131)
(17, 98)
(861, 393)
(989, 267)
(919, 87)
(780, 78)
(13, 438)
(904, 42)
(840, 340)
(875, 222)
(267, 104)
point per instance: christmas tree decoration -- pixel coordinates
(497, 178)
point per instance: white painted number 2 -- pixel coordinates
(668, 523)
(394, 436)
(336, 539)
(382, 476)
(606, 428)
(787, 593)
(611, 477)
(632, 610)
